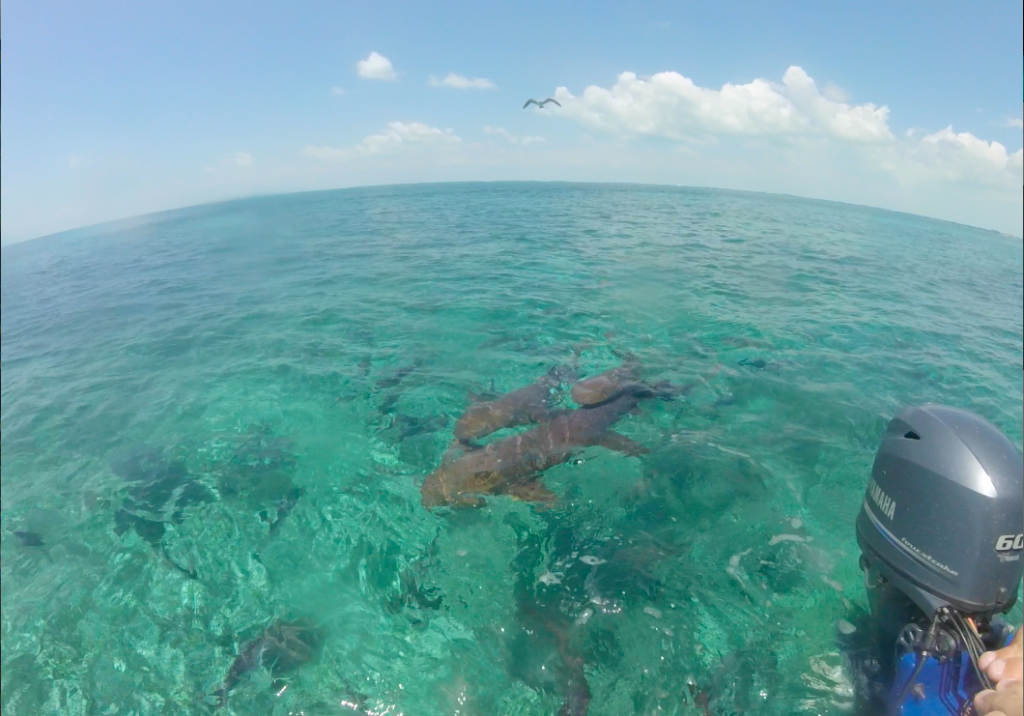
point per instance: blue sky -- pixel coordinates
(112, 109)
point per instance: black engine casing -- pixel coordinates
(943, 514)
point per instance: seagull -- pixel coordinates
(540, 105)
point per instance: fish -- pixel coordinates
(755, 363)
(276, 515)
(398, 376)
(281, 648)
(547, 648)
(566, 672)
(260, 475)
(159, 484)
(152, 531)
(159, 491)
(364, 365)
(262, 450)
(388, 404)
(736, 683)
(609, 385)
(606, 386)
(513, 465)
(523, 406)
(29, 539)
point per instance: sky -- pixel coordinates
(110, 109)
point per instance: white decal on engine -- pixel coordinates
(885, 503)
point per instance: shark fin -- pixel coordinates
(620, 443)
(484, 396)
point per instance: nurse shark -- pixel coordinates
(513, 465)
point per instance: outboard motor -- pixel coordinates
(940, 533)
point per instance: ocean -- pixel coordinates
(216, 422)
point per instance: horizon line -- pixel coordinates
(155, 215)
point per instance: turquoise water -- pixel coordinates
(219, 417)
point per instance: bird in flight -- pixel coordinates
(540, 105)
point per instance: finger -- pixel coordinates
(1005, 703)
(1007, 699)
(1012, 669)
(982, 700)
(1010, 685)
(1013, 651)
(986, 704)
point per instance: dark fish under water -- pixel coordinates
(398, 376)
(566, 673)
(262, 449)
(388, 404)
(260, 476)
(735, 683)
(281, 648)
(159, 484)
(160, 490)
(547, 649)
(755, 363)
(29, 539)
(278, 513)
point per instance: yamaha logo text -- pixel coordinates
(885, 503)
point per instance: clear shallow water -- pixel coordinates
(294, 367)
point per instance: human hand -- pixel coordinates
(1006, 700)
(1006, 664)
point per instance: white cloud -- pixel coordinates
(398, 135)
(1015, 122)
(835, 93)
(376, 67)
(857, 123)
(338, 91)
(956, 157)
(790, 135)
(671, 105)
(992, 153)
(505, 134)
(460, 82)
(238, 159)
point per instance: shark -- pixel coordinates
(523, 406)
(606, 386)
(513, 466)
(282, 647)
